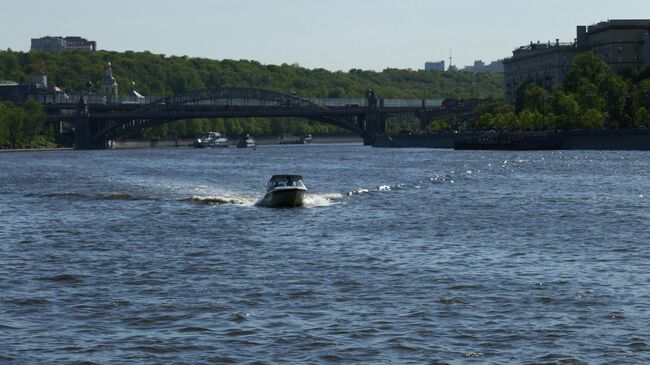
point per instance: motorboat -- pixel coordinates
(290, 139)
(222, 142)
(206, 139)
(284, 191)
(211, 139)
(246, 142)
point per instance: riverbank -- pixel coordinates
(261, 141)
(168, 143)
(48, 149)
(610, 139)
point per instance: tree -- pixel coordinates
(507, 121)
(13, 121)
(592, 119)
(567, 110)
(33, 121)
(531, 120)
(520, 96)
(615, 89)
(534, 98)
(589, 97)
(587, 67)
(4, 131)
(642, 118)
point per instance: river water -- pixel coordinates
(400, 256)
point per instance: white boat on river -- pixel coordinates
(211, 139)
(284, 191)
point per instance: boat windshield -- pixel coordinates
(279, 183)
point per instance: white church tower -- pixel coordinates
(109, 84)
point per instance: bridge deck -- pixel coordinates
(128, 102)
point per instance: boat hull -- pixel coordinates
(285, 198)
(246, 145)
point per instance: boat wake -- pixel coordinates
(449, 178)
(83, 196)
(312, 200)
(321, 200)
(378, 189)
(218, 200)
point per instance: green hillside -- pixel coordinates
(161, 75)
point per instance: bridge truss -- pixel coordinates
(217, 103)
(99, 121)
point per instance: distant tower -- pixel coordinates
(109, 84)
(451, 67)
(450, 59)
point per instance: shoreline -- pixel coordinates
(600, 139)
(186, 143)
(261, 141)
(44, 149)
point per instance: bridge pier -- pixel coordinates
(375, 121)
(83, 130)
(375, 126)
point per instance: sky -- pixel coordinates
(332, 34)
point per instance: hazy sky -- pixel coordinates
(332, 34)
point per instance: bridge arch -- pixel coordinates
(219, 103)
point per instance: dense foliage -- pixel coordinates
(160, 75)
(23, 127)
(590, 98)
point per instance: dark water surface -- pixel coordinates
(401, 256)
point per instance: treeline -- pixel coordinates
(24, 127)
(159, 75)
(590, 98)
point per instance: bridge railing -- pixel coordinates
(433, 103)
(339, 102)
(389, 103)
(93, 99)
(248, 102)
(412, 103)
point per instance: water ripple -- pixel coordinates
(401, 256)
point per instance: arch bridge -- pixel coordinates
(98, 120)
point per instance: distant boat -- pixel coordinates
(284, 191)
(211, 139)
(246, 142)
(222, 142)
(290, 139)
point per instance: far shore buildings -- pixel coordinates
(481, 67)
(478, 67)
(36, 87)
(60, 44)
(623, 44)
(435, 66)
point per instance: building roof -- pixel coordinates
(538, 49)
(619, 24)
(135, 95)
